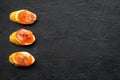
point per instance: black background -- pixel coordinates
(75, 40)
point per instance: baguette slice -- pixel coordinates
(21, 59)
(23, 16)
(22, 37)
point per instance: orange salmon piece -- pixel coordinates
(24, 36)
(25, 17)
(22, 60)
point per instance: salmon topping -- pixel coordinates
(24, 36)
(26, 17)
(22, 60)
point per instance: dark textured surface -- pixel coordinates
(75, 40)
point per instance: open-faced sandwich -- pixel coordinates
(22, 37)
(21, 59)
(23, 16)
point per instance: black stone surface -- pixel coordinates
(75, 40)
